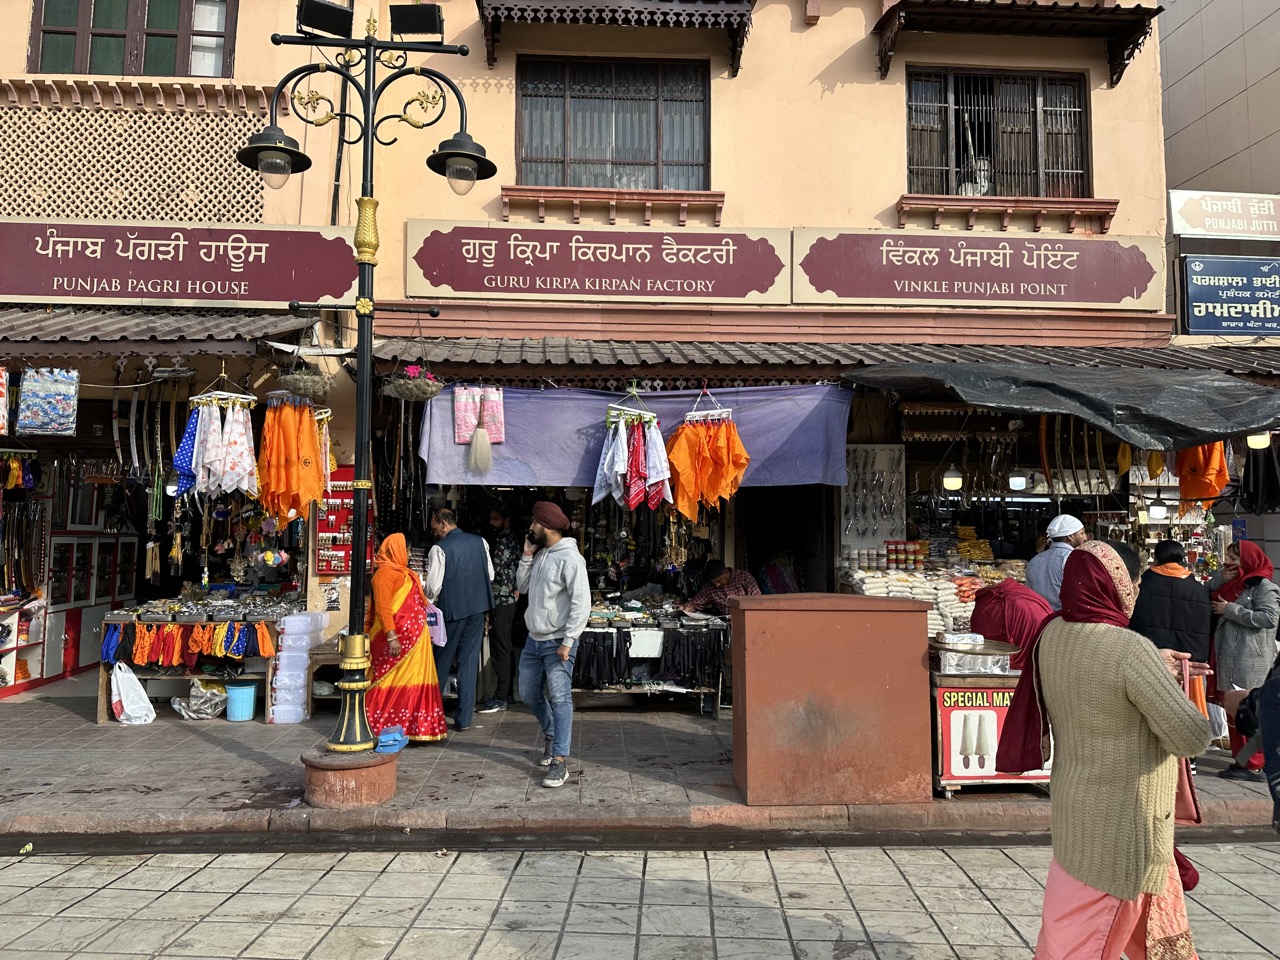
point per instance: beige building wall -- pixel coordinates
(1221, 61)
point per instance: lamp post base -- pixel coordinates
(340, 781)
(352, 733)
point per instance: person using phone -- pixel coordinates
(553, 574)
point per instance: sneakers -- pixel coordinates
(1240, 773)
(557, 773)
(492, 705)
(547, 754)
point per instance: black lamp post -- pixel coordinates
(275, 155)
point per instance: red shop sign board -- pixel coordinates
(970, 719)
(333, 526)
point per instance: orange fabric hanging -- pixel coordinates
(288, 460)
(268, 486)
(737, 458)
(685, 453)
(1202, 474)
(311, 475)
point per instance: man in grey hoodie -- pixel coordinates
(553, 575)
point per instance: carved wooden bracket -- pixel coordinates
(1070, 209)
(575, 197)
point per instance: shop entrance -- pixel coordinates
(784, 533)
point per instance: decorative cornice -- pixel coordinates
(732, 16)
(91, 93)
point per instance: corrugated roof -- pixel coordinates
(114, 328)
(564, 351)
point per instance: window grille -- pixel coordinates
(630, 125)
(972, 134)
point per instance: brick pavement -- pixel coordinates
(660, 766)
(839, 903)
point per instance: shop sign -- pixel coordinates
(174, 264)
(526, 262)
(1235, 296)
(970, 721)
(1244, 216)
(997, 269)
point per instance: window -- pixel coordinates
(154, 38)
(629, 125)
(1011, 135)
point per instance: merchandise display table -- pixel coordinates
(257, 669)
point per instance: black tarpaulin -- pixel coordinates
(1151, 409)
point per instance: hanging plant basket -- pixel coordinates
(415, 389)
(307, 382)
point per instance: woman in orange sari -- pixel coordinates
(405, 690)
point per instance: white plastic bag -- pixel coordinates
(128, 700)
(1218, 718)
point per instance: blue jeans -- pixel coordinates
(463, 640)
(546, 687)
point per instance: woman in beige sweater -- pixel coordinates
(1120, 722)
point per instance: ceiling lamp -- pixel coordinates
(1018, 480)
(1258, 441)
(953, 479)
(1158, 510)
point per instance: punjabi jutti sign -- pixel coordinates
(526, 262)
(977, 269)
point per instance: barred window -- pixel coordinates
(129, 38)
(629, 124)
(973, 134)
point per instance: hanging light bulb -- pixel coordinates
(953, 479)
(1158, 510)
(1018, 480)
(1258, 441)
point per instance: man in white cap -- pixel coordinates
(1044, 572)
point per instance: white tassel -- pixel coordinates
(481, 451)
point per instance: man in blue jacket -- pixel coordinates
(460, 583)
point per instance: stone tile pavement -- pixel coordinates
(837, 903)
(659, 766)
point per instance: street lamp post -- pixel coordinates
(275, 155)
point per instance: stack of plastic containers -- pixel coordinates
(299, 632)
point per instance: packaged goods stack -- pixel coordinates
(299, 632)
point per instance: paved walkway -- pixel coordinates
(660, 766)
(859, 903)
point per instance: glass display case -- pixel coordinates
(104, 578)
(81, 571)
(60, 572)
(126, 569)
(83, 507)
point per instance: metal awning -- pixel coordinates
(98, 330)
(1165, 409)
(731, 16)
(569, 351)
(1123, 29)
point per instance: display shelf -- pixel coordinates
(21, 646)
(144, 674)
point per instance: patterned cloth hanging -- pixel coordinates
(4, 401)
(47, 402)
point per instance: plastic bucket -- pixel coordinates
(242, 698)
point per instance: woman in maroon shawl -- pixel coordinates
(1120, 722)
